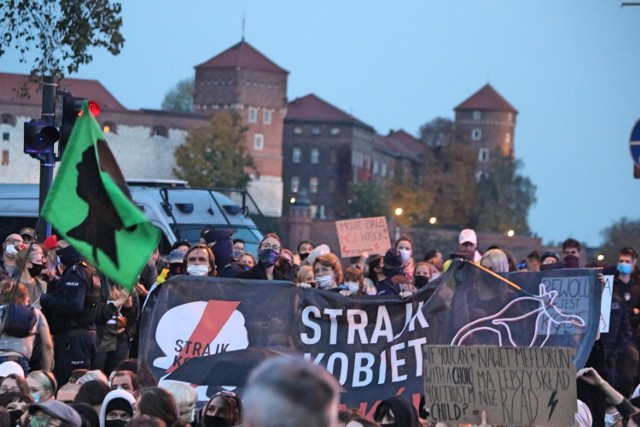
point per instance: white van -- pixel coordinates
(180, 212)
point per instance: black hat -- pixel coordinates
(28, 231)
(393, 259)
(550, 254)
(58, 410)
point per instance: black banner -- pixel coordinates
(212, 332)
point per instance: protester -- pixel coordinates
(305, 278)
(92, 393)
(269, 252)
(117, 409)
(42, 386)
(423, 273)
(22, 325)
(572, 253)
(328, 272)
(220, 242)
(125, 380)
(53, 413)
(30, 263)
(353, 282)
(290, 392)
(495, 260)
(394, 274)
(303, 250)
(12, 244)
(238, 248)
(224, 409)
(248, 261)
(186, 398)
(404, 245)
(200, 261)
(396, 412)
(375, 274)
(434, 256)
(468, 244)
(158, 402)
(14, 382)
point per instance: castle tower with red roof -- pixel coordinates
(487, 122)
(243, 80)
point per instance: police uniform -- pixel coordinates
(71, 311)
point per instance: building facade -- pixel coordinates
(486, 121)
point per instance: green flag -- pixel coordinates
(90, 205)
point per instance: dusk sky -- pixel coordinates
(571, 68)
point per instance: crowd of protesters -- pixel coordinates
(69, 335)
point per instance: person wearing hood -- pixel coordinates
(117, 409)
(71, 307)
(396, 412)
(393, 269)
(220, 242)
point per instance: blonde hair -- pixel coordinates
(303, 273)
(495, 260)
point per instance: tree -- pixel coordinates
(504, 197)
(180, 98)
(438, 131)
(624, 232)
(59, 34)
(406, 192)
(363, 199)
(216, 156)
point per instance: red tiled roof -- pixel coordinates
(411, 143)
(242, 55)
(487, 98)
(399, 144)
(90, 89)
(313, 108)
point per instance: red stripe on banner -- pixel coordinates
(214, 317)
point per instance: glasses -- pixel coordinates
(268, 246)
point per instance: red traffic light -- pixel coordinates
(94, 108)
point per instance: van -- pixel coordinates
(181, 213)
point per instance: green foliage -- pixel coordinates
(58, 35)
(438, 131)
(406, 193)
(624, 232)
(363, 199)
(504, 197)
(215, 156)
(180, 98)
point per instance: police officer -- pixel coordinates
(70, 308)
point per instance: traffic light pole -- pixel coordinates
(48, 159)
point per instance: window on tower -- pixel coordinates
(266, 117)
(477, 115)
(253, 114)
(295, 155)
(476, 134)
(258, 142)
(315, 156)
(483, 155)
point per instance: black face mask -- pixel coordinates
(36, 269)
(115, 423)
(303, 256)
(176, 268)
(421, 281)
(214, 421)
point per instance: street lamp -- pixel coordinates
(510, 233)
(600, 257)
(433, 220)
(398, 211)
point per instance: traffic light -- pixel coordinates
(71, 110)
(39, 137)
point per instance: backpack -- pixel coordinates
(18, 320)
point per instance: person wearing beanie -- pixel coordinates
(47, 413)
(393, 269)
(117, 409)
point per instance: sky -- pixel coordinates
(571, 68)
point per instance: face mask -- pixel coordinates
(214, 421)
(352, 286)
(269, 256)
(611, 419)
(303, 256)
(175, 268)
(624, 268)
(36, 397)
(11, 251)
(115, 423)
(420, 281)
(405, 254)
(198, 270)
(36, 269)
(324, 282)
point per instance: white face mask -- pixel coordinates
(352, 286)
(11, 251)
(197, 270)
(405, 254)
(611, 419)
(324, 282)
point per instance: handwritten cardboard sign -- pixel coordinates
(363, 235)
(513, 385)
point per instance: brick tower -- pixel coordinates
(487, 122)
(243, 80)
